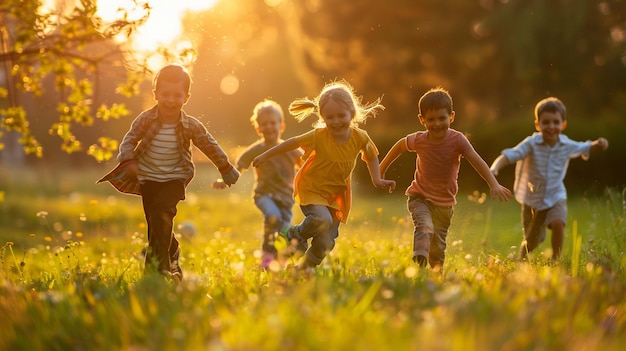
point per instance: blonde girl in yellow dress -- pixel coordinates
(322, 185)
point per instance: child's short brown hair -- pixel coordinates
(550, 104)
(172, 73)
(435, 99)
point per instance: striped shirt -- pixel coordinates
(162, 161)
(142, 133)
(540, 168)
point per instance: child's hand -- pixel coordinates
(131, 168)
(501, 193)
(603, 143)
(219, 184)
(231, 177)
(386, 184)
(258, 161)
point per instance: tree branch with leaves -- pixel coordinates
(67, 51)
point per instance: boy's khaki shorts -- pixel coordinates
(535, 221)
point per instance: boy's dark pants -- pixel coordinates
(159, 205)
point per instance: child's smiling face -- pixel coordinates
(550, 125)
(337, 118)
(171, 97)
(437, 122)
(269, 125)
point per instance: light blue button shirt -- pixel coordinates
(541, 168)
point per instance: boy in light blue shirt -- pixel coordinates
(541, 164)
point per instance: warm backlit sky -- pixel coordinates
(163, 28)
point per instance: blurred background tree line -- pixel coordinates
(496, 57)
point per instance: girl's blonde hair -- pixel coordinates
(341, 92)
(266, 105)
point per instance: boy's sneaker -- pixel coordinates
(177, 272)
(266, 259)
(177, 277)
(422, 261)
(170, 276)
(295, 243)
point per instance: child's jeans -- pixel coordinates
(322, 225)
(159, 205)
(431, 224)
(277, 216)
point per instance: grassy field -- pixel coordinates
(71, 276)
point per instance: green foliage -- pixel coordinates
(607, 242)
(65, 51)
(494, 55)
(103, 151)
(14, 118)
(73, 266)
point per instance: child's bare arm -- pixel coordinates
(373, 166)
(396, 150)
(499, 163)
(496, 190)
(285, 146)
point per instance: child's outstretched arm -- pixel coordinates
(483, 170)
(499, 163)
(373, 166)
(396, 150)
(285, 146)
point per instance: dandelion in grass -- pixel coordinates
(387, 294)
(410, 272)
(66, 235)
(57, 226)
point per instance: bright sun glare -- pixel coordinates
(163, 29)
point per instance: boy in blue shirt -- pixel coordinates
(541, 164)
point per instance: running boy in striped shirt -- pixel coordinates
(156, 163)
(541, 164)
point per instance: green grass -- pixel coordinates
(71, 277)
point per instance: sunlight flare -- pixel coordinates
(163, 29)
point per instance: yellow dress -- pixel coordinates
(324, 179)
